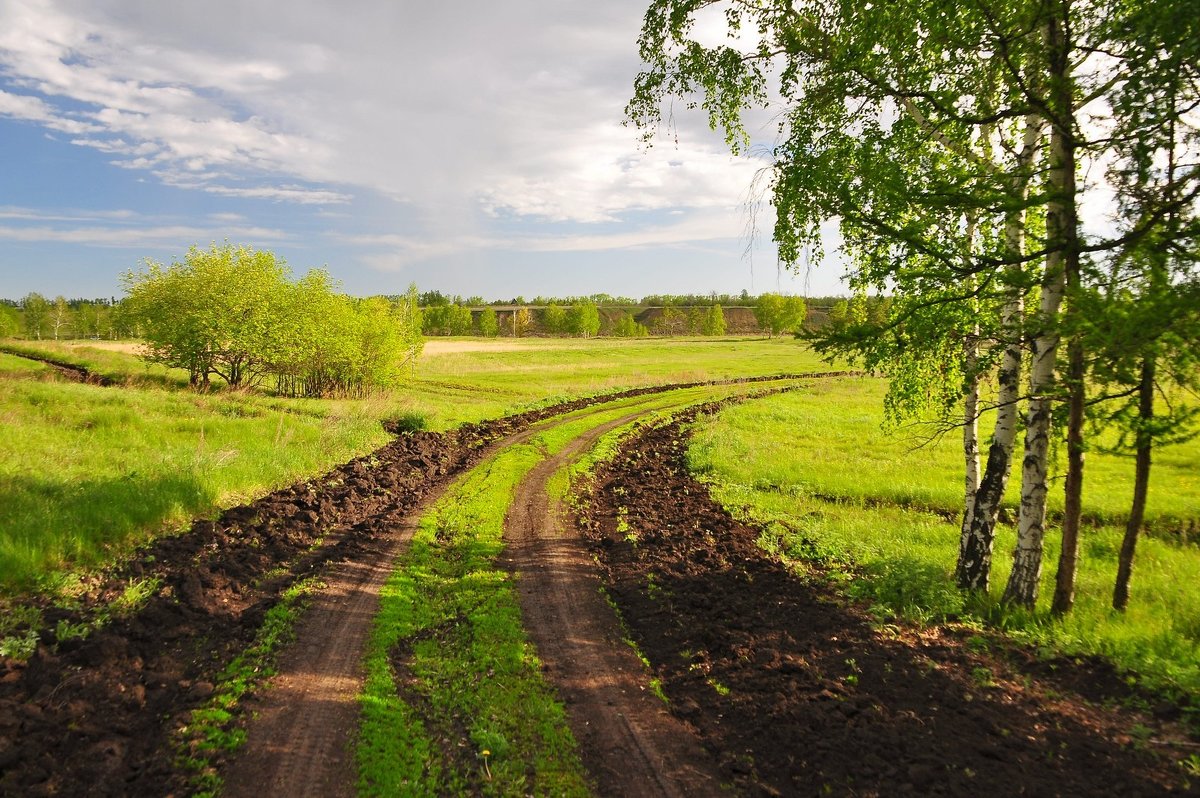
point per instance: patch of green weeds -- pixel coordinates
(20, 646)
(722, 690)
(983, 676)
(135, 595)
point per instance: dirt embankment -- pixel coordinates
(793, 692)
(71, 371)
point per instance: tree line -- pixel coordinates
(39, 318)
(743, 299)
(773, 314)
(961, 150)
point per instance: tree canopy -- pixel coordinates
(234, 312)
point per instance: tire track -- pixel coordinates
(300, 743)
(629, 742)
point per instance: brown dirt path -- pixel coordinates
(630, 743)
(300, 743)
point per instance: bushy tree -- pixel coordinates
(37, 312)
(459, 320)
(714, 321)
(628, 327)
(776, 314)
(61, 317)
(671, 321)
(582, 319)
(408, 317)
(522, 322)
(234, 312)
(489, 325)
(10, 323)
(211, 313)
(554, 320)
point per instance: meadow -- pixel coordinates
(89, 472)
(882, 512)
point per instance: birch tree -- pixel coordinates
(920, 126)
(903, 123)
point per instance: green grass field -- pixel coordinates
(89, 472)
(815, 466)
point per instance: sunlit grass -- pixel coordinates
(498, 377)
(88, 472)
(832, 487)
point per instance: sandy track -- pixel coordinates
(300, 742)
(629, 742)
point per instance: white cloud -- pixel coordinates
(512, 109)
(132, 237)
(393, 252)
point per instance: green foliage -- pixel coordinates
(582, 319)
(458, 320)
(554, 320)
(714, 321)
(37, 312)
(211, 314)
(10, 322)
(233, 312)
(628, 327)
(489, 325)
(672, 321)
(776, 314)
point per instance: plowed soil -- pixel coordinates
(792, 691)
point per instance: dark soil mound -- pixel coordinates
(795, 693)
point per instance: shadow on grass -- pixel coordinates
(47, 524)
(913, 588)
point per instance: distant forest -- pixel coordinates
(36, 317)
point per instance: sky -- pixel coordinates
(473, 148)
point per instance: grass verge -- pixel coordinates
(815, 471)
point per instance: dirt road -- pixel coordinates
(631, 745)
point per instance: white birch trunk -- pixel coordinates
(975, 551)
(1023, 582)
(971, 429)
